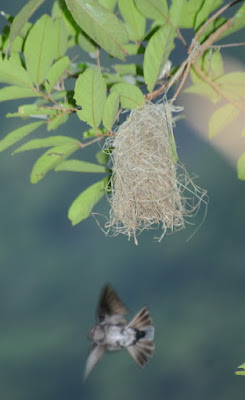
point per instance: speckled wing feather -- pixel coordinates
(110, 308)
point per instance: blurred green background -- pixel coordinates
(51, 274)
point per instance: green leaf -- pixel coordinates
(56, 72)
(34, 111)
(109, 4)
(183, 12)
(221, 118)
(241, 175)
(173, 147)
(101, 25)
(130, 95)
(84, 203)
(86, 43)
(18, 134)
(135, 21)
(15, 92)
(46, 142)
(157, 52)
(90, 94)
(16, 46)
(177, 9)
(111, 110)
(212, 66)
(59, 10)
(57, 120)
(233, 84)
(51, 159)
(13, 73)
(242, 372)
(102, 157)
(203, 89)
(211, 28)
(60, 38)
(207, 7)
(125, 69)
(112, 78)
(133, 49)
(22, 17)
(238, 22)
(40, 49)
(153, 9)
(80, 166)
(93, 132)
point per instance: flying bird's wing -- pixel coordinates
(110, 308)
(95, 354)
(143, 347)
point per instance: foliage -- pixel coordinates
(140, 33)
(241, 370)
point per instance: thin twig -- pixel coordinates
(47, 97)
(97, 139)
(57, 106)
(98, 58)
(181, 37)
(222, 46)
(216, 88)
(156, 93)
(188, 66)
(60, 108)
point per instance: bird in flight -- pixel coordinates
(112, 332)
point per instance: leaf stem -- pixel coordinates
(97, 139)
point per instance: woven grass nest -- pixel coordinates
(147, 189)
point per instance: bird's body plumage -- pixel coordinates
(112, 331)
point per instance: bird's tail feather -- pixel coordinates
(142, 349)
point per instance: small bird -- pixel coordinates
(113, 332)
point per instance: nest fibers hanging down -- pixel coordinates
(145, 190)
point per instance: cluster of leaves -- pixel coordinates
(35, 67)
(217, 87)
(241, 370)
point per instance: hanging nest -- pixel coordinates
(145, 190)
